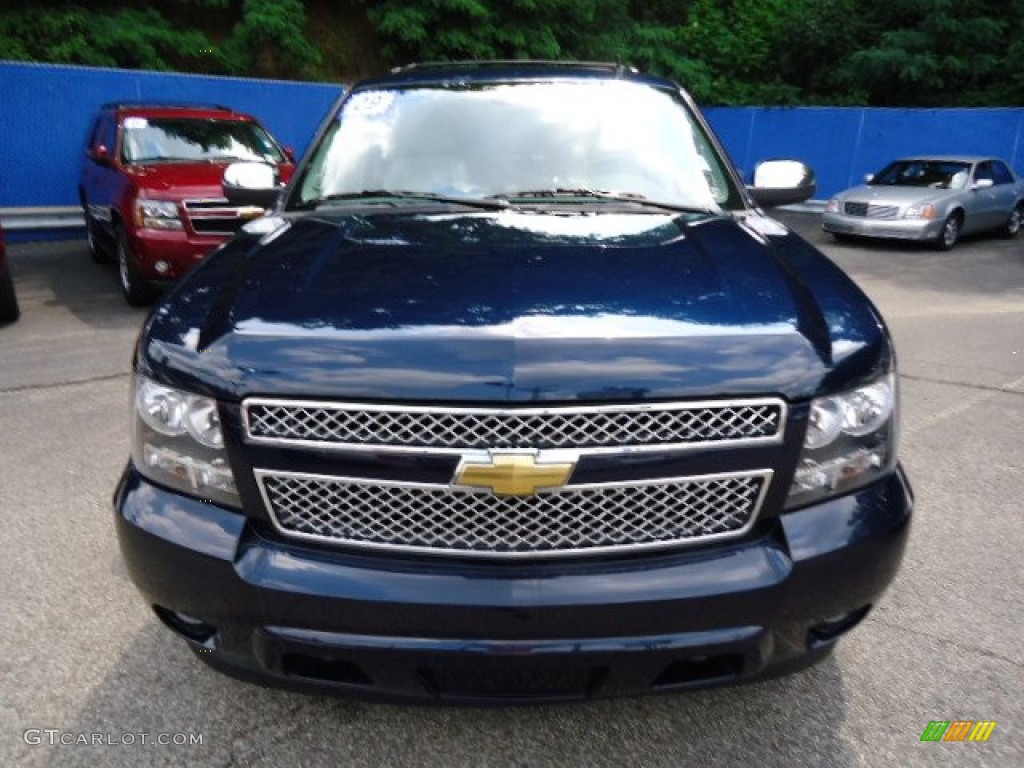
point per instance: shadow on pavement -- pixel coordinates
(159, 687)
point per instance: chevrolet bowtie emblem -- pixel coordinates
(250, 212)
(513, 474)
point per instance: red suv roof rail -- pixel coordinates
(136, 104)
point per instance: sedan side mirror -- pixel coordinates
(782, 182)
(251, 184)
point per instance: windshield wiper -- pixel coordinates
(602, 194)
(389, 195)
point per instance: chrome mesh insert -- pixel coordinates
(871, 210)
(612, 427)
(883, 211)
(571, 520)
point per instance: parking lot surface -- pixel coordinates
(83, 659)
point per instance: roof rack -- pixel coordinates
(162, 104)
(612, 66)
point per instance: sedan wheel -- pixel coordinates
(950, 233)
(1013, 224)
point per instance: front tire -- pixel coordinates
(92, 238)
(949, 233)
(1013, 224)
(137, 292)
(9, 311)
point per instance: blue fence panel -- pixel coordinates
(891, 133)
(47, 110)
(842, 144)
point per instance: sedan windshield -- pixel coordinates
(549, 143)
(938, 174)
(169, 140)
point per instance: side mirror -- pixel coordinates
(868, 178)
(101, 154)
(782, 182)
(251, 184)
(982, 184)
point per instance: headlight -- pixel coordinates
(850, 441)
(832, 206)
(157, 214)
(178, 442)
(919, 212)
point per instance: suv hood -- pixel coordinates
(184, 181)
(514, 306)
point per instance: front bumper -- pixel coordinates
(180, 250)
(901, 229)
(426, 629)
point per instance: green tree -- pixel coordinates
(271, 41)
(497, 29)
(897, 53)
(130, 37)
(940, 53)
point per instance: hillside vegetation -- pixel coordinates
(786, 52)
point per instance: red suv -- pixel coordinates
(151, 187)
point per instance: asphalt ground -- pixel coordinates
(81, 655)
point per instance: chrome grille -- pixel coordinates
(883, 211)
(216, 216)
(871, 211)
(595, 428)
(571, 520)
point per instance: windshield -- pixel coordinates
(519, 139)
(155, 140)
(938, 174)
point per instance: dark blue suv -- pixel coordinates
(517, 395)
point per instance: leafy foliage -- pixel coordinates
(270, 41)
(897, 53)
(130, 37)
(495, 29)
(931, 53)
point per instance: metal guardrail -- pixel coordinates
(48, 217)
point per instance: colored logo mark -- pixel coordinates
(513, 474)
(958, 730)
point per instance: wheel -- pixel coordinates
(137, 292)
(950, 232)
(96, 249)
(9, 311)
(1013, 224)
(92, 236)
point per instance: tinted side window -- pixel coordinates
(108, 133)
(1001, 174)
(94, 134)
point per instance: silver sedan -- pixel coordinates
(930, 199)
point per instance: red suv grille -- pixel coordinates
(216, 216)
